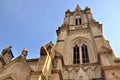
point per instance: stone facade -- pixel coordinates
(80, 53)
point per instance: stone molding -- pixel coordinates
(60, 40)
(57, 71)
(39, 73)
(78, 31)
(115, 67)
(85, 68)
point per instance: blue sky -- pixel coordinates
(33, 23)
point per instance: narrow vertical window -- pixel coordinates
(76, 55)
(85, 57)
(78, 20)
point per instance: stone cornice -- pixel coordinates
(36, 73)
(60, 40)
(85, 68)
(93, 22)
(57, 71)
(115, 67)
(33, 59)
(78, 31)
(39, 73)
(98, 36)
(82, 65)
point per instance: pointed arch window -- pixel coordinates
(78, 20)
(76, 55)
(85, 57)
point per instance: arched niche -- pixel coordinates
(79, 41)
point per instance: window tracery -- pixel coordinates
(76, 56)
(80, 54)
(85, 58)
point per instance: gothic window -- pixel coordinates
(76, 55)
(80, 54)
(78, 20)
(85, 57)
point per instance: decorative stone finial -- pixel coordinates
(24, 53)
(10, 47)
(68, 11)
(6, 50)
(77, 8)
(87, 7)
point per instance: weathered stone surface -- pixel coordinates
(95, 59)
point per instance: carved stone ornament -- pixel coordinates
(6, 50)
(24, 53)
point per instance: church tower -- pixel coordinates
(80, 53)
(83, 47)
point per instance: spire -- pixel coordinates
(77, 8)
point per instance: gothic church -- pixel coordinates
(80, 53)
